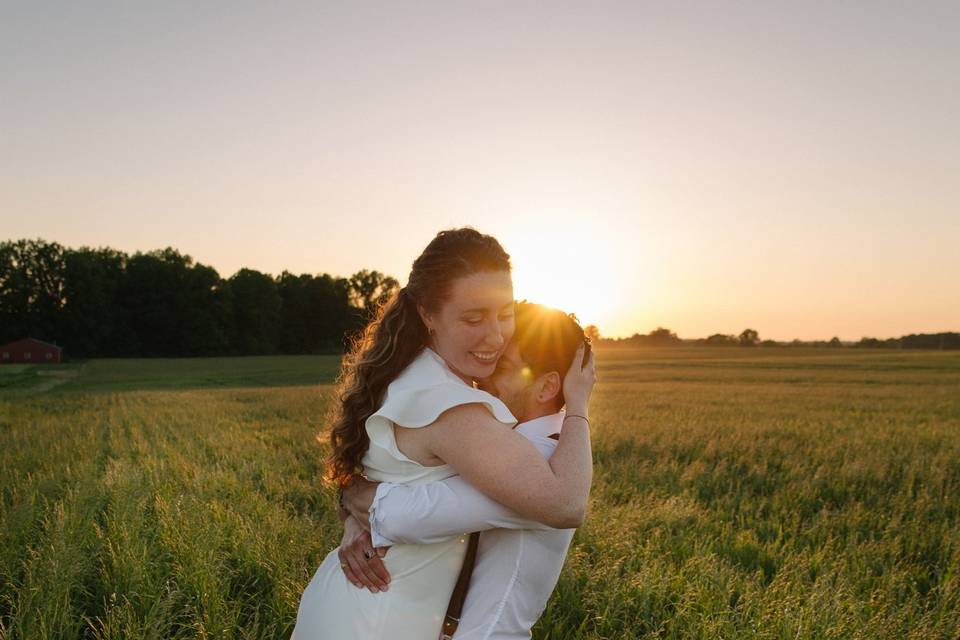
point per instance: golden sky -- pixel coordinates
(704, 166)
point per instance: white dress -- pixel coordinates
(421, 575)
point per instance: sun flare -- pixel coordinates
(574, 272)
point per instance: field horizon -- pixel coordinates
(89, 375)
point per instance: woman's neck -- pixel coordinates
(467, 380)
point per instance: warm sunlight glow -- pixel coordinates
(568, 270)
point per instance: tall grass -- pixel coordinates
(160, 515)
(738, 494)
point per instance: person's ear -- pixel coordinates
(425, 318)
(548, 387)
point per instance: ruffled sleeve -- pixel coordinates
(418, 397)
(415, 408)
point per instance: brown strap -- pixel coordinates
(452, 620)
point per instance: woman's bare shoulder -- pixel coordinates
(469, 415)
(461, 422)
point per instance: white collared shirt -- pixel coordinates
(518, 560)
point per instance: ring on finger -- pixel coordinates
(369, 553)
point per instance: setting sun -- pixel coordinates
(574, 272)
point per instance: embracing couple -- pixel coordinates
(450, 420)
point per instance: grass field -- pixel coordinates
(738, 493)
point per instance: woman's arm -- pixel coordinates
(507, 467)
(432, 512)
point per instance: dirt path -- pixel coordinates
(50, 380)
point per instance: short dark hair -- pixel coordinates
(547, 339)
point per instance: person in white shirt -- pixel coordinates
(519, 559)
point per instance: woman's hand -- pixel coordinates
(360, 562)
(578, 383)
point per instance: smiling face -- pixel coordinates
(529, 376)
(511, 381)
(474, 325)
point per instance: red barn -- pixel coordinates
(30, 351)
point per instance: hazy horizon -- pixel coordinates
(780, 166)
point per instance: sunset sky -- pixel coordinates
(704, 166)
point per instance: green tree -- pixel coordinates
(170, 305)
(294, 328)
(255, 305)
(205, 326)
(662, 337)
(369, 289)
(151, 310)
(592, 332)
(31, 290)
(749, 338)
(720, 340)
(315, 313)
(102, 302)
(330, 315)
(92, 304)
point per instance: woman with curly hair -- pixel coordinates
(410, 412)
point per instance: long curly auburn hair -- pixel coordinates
(396, 335)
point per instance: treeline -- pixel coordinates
(105, 303)
(662, 337)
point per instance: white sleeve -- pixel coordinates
(419, 406)
(437, 511)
